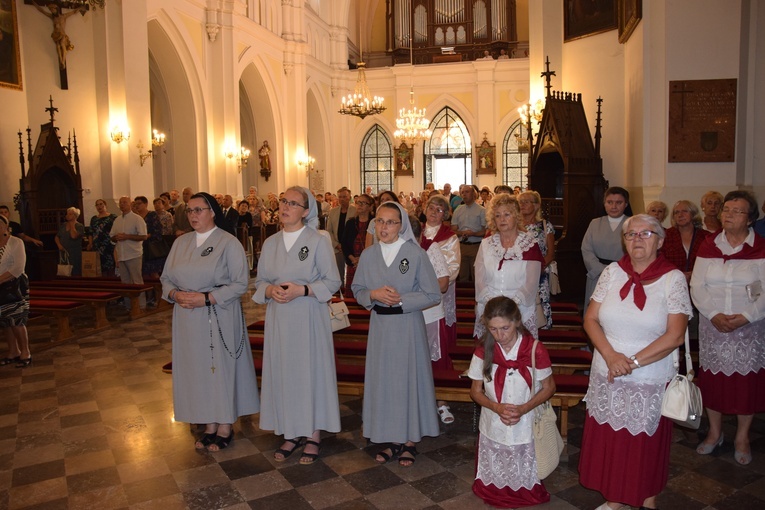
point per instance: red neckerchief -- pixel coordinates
(533, 253)
(657, 269)
(709, 250)
(444, 233)
(522, 364)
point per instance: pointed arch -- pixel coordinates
(376, 160)
(448, 153)
(515, 156)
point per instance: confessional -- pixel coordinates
(50, 185)
(566, 169)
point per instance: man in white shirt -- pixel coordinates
(469, 223)
(128, 233)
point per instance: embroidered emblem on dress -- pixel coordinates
(303, 253)
(207, 251)
(404, 266)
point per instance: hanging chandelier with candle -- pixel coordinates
(361, 103)
(413, 125)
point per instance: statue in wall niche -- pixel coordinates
(59, 17)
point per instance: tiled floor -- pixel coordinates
(90, 425)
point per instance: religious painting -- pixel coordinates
(486, 154)
(404, 160)
(582, 18)
(630, 12)
(702, 121)
(10, 59)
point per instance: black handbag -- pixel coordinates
(10, 291)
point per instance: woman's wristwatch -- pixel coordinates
(635, 361)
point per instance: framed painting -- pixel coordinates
(10, 57)
(582, 18)
(404, 160)
(487, 158)
(630, 12)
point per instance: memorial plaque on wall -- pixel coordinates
(316, 180)
(702, 121)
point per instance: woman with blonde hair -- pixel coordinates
(711, 206)
(544, 233)
(508, 263)
(657, 209)
(69, 239)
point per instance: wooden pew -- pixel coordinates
(95, 299)
(128, 290)
(60, 310)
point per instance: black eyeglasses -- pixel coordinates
(291, 203)
(196, 210)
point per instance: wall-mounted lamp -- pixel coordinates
(242, 157)
(143, 156)
(306, 162)
(120, 133)
(157, 139)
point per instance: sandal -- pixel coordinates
(298, 442)
(408, 460)
(221, 442)
(309, 458)
(24, 363)
(206, 440)
(394, 449)
(446, 415)
(10, 361)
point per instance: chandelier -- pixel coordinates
(411, 123)
(361, 103)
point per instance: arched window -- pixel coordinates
(515, 156)
(448, 155)
(376, 160)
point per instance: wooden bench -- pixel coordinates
(95, 299)
(59, 309)
(449, 384)
(154, 282)
(131, 291)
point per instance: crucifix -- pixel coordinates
(57, 15)
(546, 75)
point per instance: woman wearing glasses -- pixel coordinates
(636, 319)
(442, 328)
(354, 238)
(726, 286)
(396, 281)
(684, 237)
(205, 276)
(297, 275)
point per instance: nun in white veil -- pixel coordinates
(297, 275)
(396, 280)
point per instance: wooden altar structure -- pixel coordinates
(566, 169)
(50, 186)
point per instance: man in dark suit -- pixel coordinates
(230, 215)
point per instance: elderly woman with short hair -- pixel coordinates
(637, 317)
(684, 237)
(711, 203)
(726, 286)
(508, 263)
(657, 209)
(69, 239)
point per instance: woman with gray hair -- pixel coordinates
(637, 317)
(69, 239)
(684, 237)
(297, 275)
(726, 286)
(396, 280)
